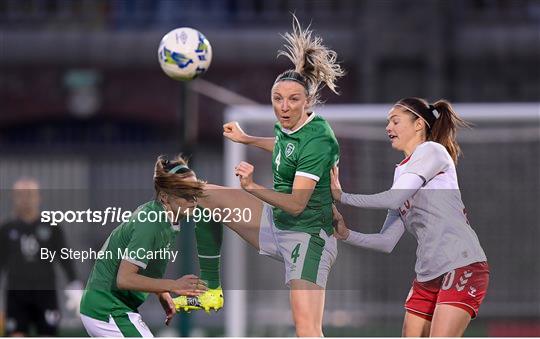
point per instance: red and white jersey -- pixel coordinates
(435, 214)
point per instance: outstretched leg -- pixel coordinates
(209, 236)
(234, 208)
(238, 210)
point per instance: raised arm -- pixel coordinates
(384, 241)
(234, 132)
(293, 203)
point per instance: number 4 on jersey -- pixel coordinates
(278, 160)
(295, 253)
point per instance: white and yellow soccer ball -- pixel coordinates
(184, 53)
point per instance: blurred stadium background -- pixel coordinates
(86, 110)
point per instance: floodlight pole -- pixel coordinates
(186, 126)
(233, 246)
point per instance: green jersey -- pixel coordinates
(140, 242)
(310, 151)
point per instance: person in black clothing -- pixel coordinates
(31, 282)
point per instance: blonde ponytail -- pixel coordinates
(315, 65)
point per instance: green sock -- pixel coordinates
(209, 237)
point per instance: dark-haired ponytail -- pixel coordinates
(441, 122)
(444, 129)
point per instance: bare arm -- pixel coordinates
(234, 132)
(128, 278)
(293, 203)
(266, 144)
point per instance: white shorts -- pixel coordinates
(306, 256)
(129, 324)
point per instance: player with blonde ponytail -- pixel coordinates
(293, 221)
(315, 65)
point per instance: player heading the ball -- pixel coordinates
(293, 221)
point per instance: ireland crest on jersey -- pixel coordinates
(289, 149)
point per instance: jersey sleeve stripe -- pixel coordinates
(307, 175)
(136, 262)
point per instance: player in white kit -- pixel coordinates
(452, 273)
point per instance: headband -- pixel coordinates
(428, 118)
(290, 76)
(177, 168)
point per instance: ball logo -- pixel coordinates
(183, 37)
(174, 58)
(289, 149)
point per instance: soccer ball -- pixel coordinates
(184, 53)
